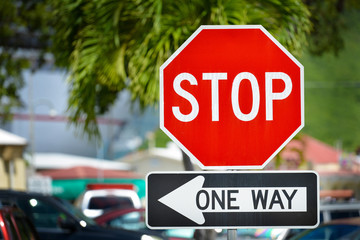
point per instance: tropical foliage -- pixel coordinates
(15, 20)
(109, 46)
(23, 25)
(332, 91)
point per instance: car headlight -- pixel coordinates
(83, 223)
(148, 237)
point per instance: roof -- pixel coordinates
(337, 193)
(314, 150)
(319, 152)
(63, 161)
(7, 138)
(171, 153)
(81, 172)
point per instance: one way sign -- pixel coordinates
(232, 199)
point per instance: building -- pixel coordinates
(12, 165)
(306, 152)
(157, 159)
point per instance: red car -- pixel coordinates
(134, 219)
(15, 225)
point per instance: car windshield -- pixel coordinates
(328, 232)
(75, 211)
(130, 221)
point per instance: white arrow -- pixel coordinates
(183, 200)
(192, 200)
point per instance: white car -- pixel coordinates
(93, 203)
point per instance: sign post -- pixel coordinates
(231, 200)
(231, 97)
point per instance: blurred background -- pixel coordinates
(79, 89)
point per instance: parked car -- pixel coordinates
(329, 211)
(93, 203)
(14, 224)
(134, 219)
(254, 233)
(336, 210)
(57, 219)
(346, 228)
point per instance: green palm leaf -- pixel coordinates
(113, 45)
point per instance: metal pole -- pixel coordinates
(31, 125)
(231, 234)
(100, 156)
(12, 173)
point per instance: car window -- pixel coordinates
(129, 221)
(41, 213)
(75, 211)
(329, 232)
(344, 214)
(10, 226)
(108, 202)
(24, 227)
(181, 233)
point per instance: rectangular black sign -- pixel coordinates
(251, 199)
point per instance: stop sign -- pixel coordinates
(231, 97)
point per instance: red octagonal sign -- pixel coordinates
(231, 97)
